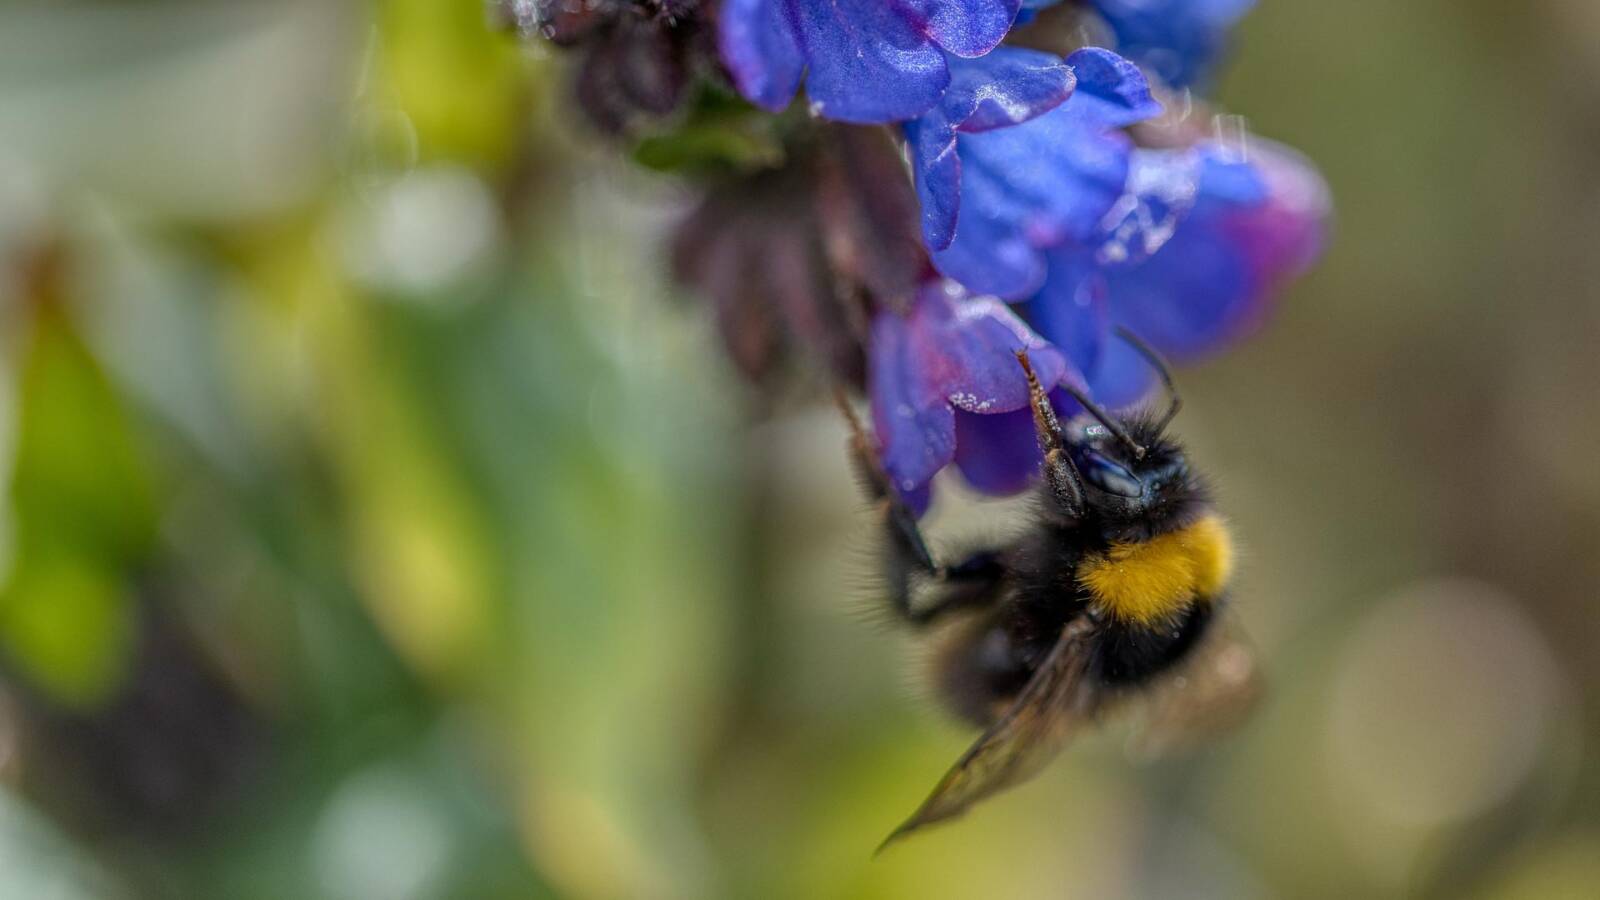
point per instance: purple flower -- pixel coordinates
(952, 358)
(1005, 88)
(1204, 265)
(1188, 258)
(863, 61)
(793, 260)
(994, 199)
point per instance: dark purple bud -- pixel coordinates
(633, 70)
(637, 56)
(868, 213)
(754, 249)
(718, 261)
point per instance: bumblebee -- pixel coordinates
(1114, 592)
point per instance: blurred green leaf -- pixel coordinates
(84, 515)
(78, 478)
(709, 145)
(720, 132)
(67, 622)
(415, 543)
(459, 82)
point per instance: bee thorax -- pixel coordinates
(1151, 581)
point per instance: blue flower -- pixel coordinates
(1188, 257)
(994, 199)
(1003, 89)
(1208, 241)
(952, 357)
(863, 61)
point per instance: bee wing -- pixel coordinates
(1214, 691)
(1022, 741)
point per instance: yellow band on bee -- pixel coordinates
(1145, 582)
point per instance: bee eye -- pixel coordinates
(1108, 476)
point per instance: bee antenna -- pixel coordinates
(1111, 422)
(1107, 419)
(1175, 401)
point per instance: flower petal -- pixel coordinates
(937, 169)
(1073, 312)
(1007, 87)
(1070, 310)
(1036, 185)
(951, 353)
(1052, 177)
(1121, 377)
(966, 27)
(918, 499)
(869, 62)
(981, 367)
(1287, 233)
(990, 256)
(1162, 187)
(758, 43)
(864, 61)
(1112, 92)
(1213, 280)
(915, 424)
(999, 453)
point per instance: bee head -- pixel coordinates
(1124, 485)
(1135, 479)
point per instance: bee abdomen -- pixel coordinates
(1128, 654)
(978, 670)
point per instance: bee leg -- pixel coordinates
(904, 535)
(969, 584)
(910, 566)
(1060, 475)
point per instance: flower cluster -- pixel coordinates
(1041, 200)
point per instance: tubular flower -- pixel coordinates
(1030, 217)
(995, 200)
(1189, 258)
(1215, 243)
(1005, 88)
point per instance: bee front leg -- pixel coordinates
(1060, 475)
(910, 568)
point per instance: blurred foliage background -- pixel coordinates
(378, 523)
